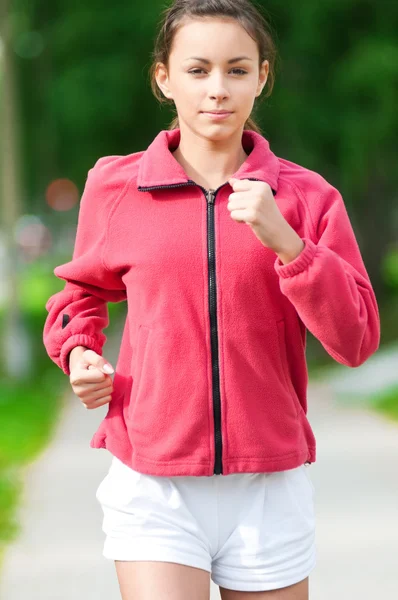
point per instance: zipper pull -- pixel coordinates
(210, 194)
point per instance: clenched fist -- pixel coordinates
(89, 377)
(253, 203)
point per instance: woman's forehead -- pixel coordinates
(213, 37)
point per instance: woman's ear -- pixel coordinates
(162, 79)
(263, 76)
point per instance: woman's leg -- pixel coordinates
(298, 591)
(147, 580)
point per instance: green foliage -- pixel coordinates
(10, 490)
(390, 268)
(30, 406)
(333, 108)
(387, 403)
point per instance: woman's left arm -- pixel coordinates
(329, 286)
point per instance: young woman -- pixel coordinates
(226, 254)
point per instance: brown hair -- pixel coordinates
(244, 11)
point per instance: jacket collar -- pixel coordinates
(159, 168)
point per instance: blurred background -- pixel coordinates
(74, 87)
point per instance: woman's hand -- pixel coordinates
(89, 378)
(253, 203)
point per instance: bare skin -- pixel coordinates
(298, 591)
(89, 377)
(146, 580)
(204, 75)
(209, 151)
(150, 580)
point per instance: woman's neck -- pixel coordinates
(210, 164)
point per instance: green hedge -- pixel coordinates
(31, 404)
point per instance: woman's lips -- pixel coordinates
(217, 116)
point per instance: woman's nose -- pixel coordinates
(218, 89)
(219, 96)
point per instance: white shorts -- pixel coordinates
(251, 531)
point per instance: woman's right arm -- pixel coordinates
(78, 314)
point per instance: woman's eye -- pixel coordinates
(237, 71)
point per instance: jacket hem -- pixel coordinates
(231, 465)
(269, 465)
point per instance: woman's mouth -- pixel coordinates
(217, 116)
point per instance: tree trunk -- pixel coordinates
(15, 351)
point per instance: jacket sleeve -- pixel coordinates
(78, 314)
(329, 286)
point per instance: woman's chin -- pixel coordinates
(218, 131)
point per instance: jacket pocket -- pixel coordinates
(168, 414)
(139, 361)
(280, 325)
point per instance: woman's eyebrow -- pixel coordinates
(231, 60)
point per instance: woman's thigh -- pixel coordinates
(146, 580)
(298, 591)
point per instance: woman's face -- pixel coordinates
(204, 76)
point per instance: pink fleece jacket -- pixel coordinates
(211, 375)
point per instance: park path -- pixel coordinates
(58, 555)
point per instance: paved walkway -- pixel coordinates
(59, 554)
(379, 373)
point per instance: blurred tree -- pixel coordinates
(86, 94)
(334, 107)
(15, 346)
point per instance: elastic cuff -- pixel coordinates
(80, 339)
(300, 263)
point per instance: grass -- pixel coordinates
(387, 404)
(30, 405)
(29, 411)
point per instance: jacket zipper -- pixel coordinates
(210, 196)
(211, 248)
